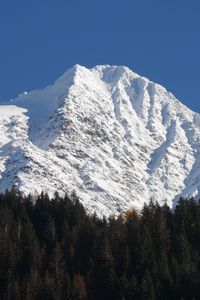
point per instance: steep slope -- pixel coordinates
(114, 137)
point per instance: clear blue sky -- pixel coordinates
(160, 39)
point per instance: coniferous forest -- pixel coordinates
(54, 250)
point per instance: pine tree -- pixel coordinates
(79, 287)
(147, 287)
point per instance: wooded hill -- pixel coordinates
(54, 250)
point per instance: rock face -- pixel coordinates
(114, 137)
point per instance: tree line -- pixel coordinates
(53, 249)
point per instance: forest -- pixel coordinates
(53, 249)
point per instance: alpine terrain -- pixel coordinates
(114, 137)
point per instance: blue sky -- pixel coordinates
(160, 39)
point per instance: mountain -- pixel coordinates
(114, 137)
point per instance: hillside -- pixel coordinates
(114, 137)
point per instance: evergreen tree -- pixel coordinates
(147, 287)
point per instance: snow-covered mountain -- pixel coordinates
(114, 137)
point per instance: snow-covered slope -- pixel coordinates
(114, 137)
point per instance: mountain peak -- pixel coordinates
(114, 137)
